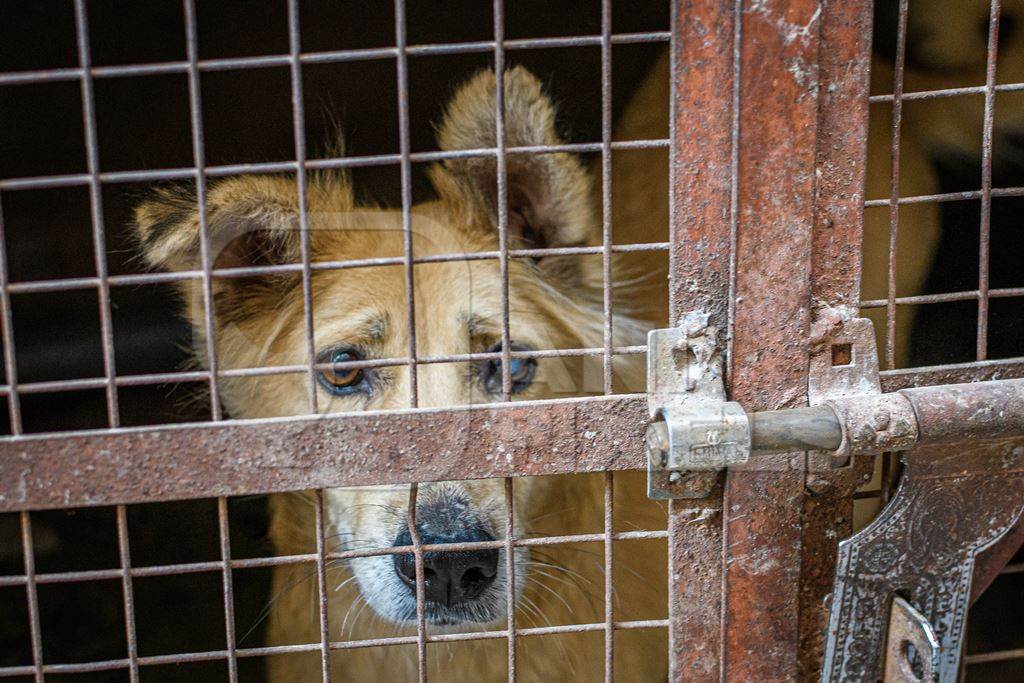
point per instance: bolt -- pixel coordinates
(880, 420)
(900, 427)
(674, 477)
(657, 442)
(694, 328)
(817, 485)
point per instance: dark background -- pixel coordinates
(143, 123)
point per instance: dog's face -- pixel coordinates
(361, 314)
(947, 47)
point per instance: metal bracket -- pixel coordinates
(694, 431)
(912, 649)
(843, 375)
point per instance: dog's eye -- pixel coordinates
(342, 381)
(520, 370)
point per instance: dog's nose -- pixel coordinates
(449, 578)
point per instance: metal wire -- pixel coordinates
(321, 588)
(7, 336)
(324, 57)
(894, 185)
(199, 159)
(215, 655)
(127, 593)
(224, 534)
(606, 190)
(96, 207)
(28, 552)
(984, 241)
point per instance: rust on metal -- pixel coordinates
(224, 459)
(700, 213)
(959, 373)
(774, 174)
(958, 413)
(837, 236)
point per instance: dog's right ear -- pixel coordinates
(250, 221)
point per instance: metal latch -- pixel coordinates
(695, 432)
(693, 429)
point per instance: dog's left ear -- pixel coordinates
(549, 196)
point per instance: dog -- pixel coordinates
(360, 313)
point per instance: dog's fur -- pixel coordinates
(555, 302)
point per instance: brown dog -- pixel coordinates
(360, 313)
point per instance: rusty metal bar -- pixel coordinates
(967, 295)
(325, 57)
(405, 163)
(74, 179)
(49, 386)
(149, 464)
(222, 459)
(700, 182)
(501, 200)
(606, 191)
(299, 134)
(762, 544)
(948, 196)
(311, 558)
(215, 655)
(609, 588)
(7, 338)
(321, 588)
(96, 210)
(421, 600)
(124, 553)
(67, 284)
(958, 373)
(985, 237)
(949, 92)
(510, 585)
(32, 597)
(844, 64)
(199, 159)
(894, 184)
(224, 535)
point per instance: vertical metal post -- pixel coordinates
(843, 79)
(747, 79)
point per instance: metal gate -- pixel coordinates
(767, 159)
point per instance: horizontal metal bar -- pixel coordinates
(135, 279)
(214, 655)
(954, 373)
(310, 558)
(969, 295)
(946, 197)
(186, 461)
(941, 414)
(82, 384)
(187, 172)
(997, 656)
(324, 57)
(946, 92)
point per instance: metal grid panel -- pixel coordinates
(686, 532)
(983, 293)
(616, 456)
